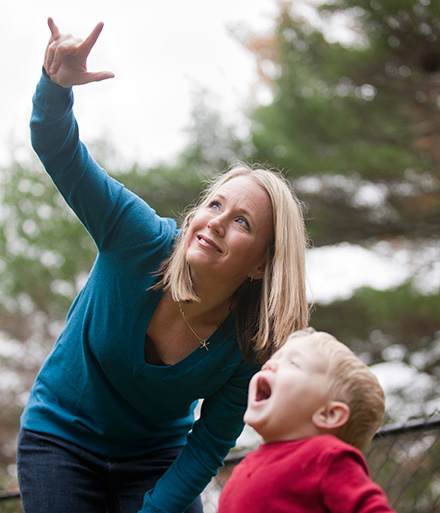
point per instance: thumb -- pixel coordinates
(96, 76)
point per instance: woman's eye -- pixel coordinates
(243, 221)
(214, 205)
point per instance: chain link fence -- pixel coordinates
(404, 460)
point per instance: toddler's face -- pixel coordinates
(288, 390)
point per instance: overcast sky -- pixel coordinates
(162, 52)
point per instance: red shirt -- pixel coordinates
(313, 475)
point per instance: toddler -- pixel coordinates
(316, 406)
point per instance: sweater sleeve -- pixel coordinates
(109, 212)
(213, 434)
(346, 486)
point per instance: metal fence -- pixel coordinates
(404, 460)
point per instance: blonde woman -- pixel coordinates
(167, 317)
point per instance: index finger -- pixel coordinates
(90, 40)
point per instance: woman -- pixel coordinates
(167, 317)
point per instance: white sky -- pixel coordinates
(161, 52)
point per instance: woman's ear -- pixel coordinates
(258, 273)
(331, 416)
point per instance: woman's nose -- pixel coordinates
(217, 224)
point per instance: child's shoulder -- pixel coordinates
(319, 447)
(326, 444)
(327, 441)
(315, 441)
(321, 444)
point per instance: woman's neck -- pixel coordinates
(208, 311)
(214, 292)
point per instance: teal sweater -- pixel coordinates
(95, 389)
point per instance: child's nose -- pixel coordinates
(270, 365)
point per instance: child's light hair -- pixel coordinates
(351, 382)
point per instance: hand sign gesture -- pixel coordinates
(65, 60)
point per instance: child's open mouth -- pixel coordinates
(263, 389)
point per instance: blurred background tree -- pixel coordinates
(354, 119)
(351, 115)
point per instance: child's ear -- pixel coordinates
(331, 416)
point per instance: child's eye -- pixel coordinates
(293, 362)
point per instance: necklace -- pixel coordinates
(203, 341)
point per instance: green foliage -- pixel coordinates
(330, 111)
(367, 111)
(355, 124)
(348, 122)
(399, 316)
(11, 506)
(45, 248)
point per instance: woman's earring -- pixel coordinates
(252, 277)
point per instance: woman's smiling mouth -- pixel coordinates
(207, 243)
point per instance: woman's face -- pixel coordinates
(230, 234)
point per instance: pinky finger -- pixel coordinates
(49, 53)
(53, 29)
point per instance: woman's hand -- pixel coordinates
(65, 60)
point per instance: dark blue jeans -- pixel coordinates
(59, 477)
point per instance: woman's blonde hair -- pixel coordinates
(267, 310)
(353, 383)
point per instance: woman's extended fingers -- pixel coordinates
(50, 49)
(59, 46)
(66, 57)
(90, 41)
(55, 33)
(59, 50)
